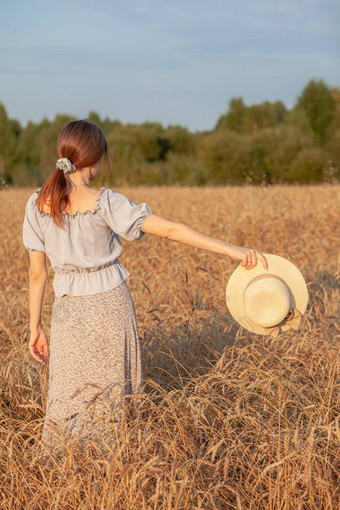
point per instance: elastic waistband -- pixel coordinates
(79, 270)
(89, 282)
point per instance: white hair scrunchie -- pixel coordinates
(66, 165)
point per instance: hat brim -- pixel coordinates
(277, 266)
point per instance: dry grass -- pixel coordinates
(229, 419)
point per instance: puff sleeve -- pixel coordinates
(123, 216)
(33, 237)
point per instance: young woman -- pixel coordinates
(94, 351)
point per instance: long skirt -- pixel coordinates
(94, 366)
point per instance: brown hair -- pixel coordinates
(84, 144)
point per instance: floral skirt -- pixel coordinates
(94, 366)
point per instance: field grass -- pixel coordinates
(229, 419)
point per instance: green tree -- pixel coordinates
(317, 102)
(8, 144)
(248, 119)
(29, 146)
(235, 118)
(332, 144)
(226, 156)
(180, 140)
(265, 115)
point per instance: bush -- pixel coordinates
(308, 166)
(273, 150)
(333, 147)
(151, 142)
(225, 154)
(26, 176)
(265, 156)
(186, 170)
(179, 139)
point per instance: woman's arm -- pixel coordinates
(184, 234)
(37, 275)
(36, 295)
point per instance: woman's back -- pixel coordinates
(85, 251)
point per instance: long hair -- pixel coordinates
(83, 143)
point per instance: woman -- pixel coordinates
(95, 362)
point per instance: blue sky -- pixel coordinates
(172, 61)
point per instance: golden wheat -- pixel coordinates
(228, 419)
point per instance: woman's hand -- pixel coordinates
(248, 257)
(38, 345)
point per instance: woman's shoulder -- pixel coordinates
(111, 195)
(33, 197)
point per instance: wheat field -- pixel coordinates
(228, 419)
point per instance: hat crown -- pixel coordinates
(267, 300)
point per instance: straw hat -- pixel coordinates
(267, 301)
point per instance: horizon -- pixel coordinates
(102, 118)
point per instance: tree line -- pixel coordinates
(262, 143)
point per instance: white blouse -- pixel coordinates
(84, 253)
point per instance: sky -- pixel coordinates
(178, 62)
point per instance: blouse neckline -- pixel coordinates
(76, 213)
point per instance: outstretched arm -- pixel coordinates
(181, 233)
